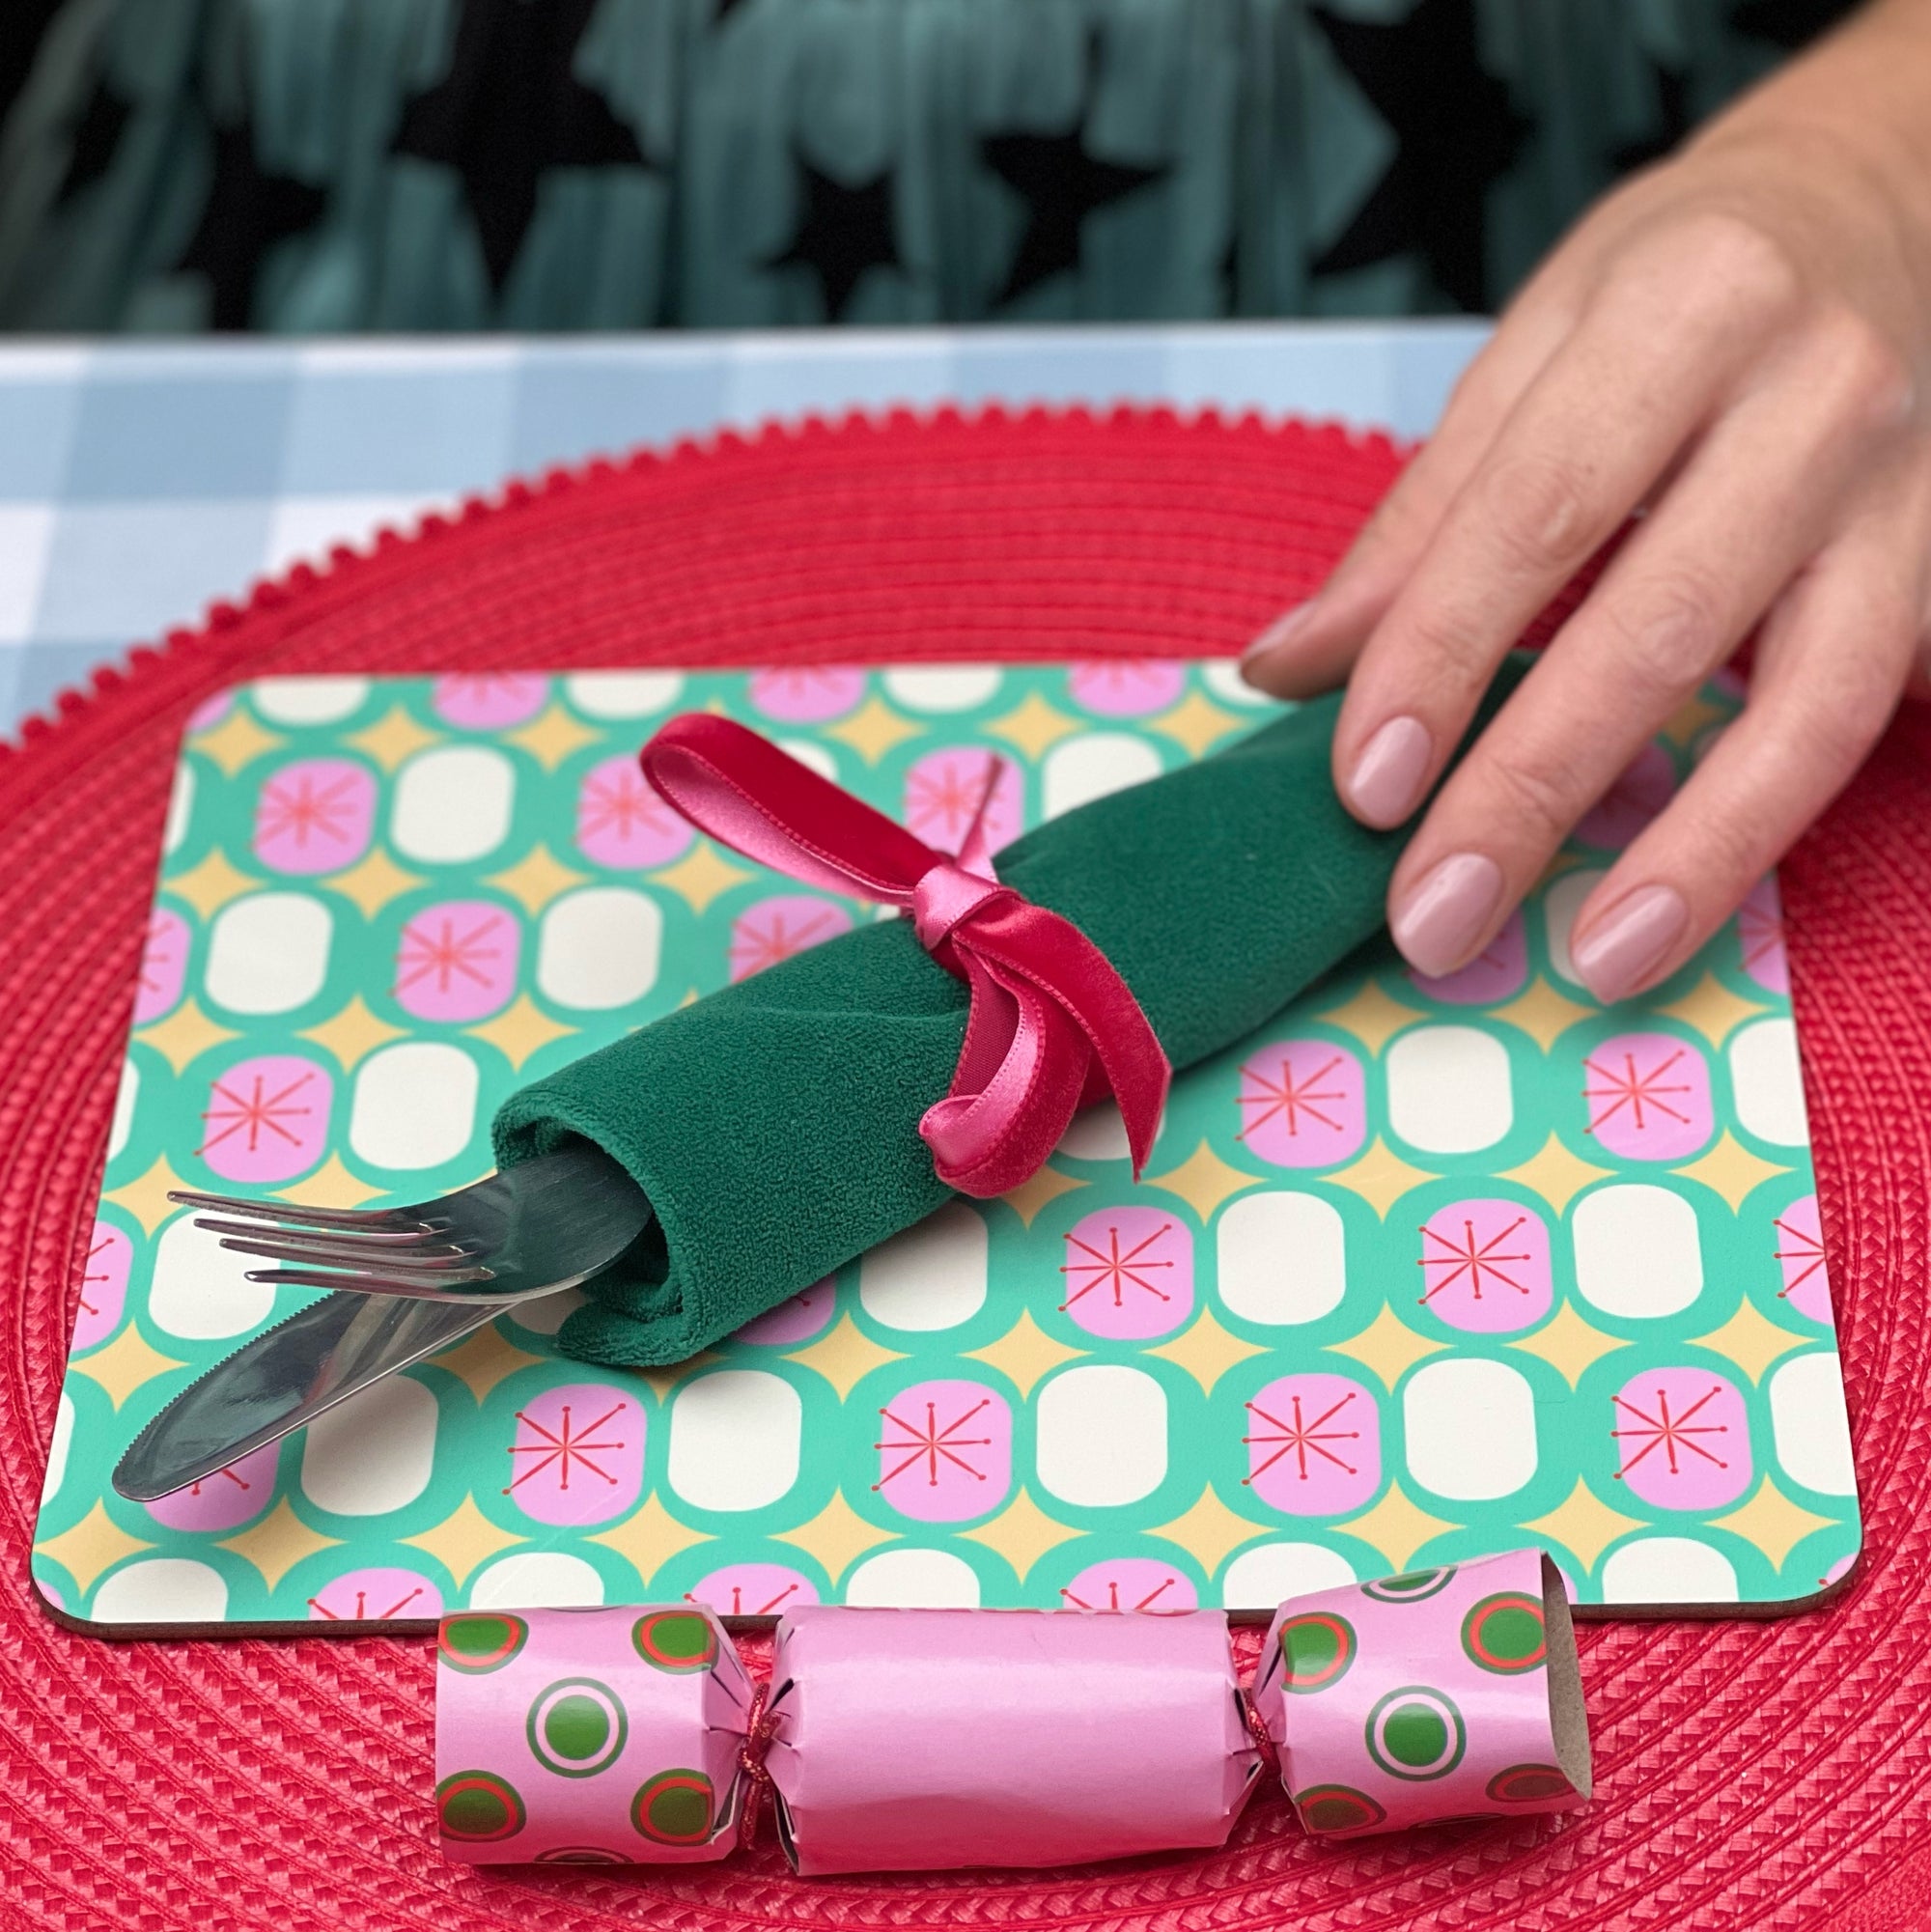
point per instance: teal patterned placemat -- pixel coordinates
(1422, 1271)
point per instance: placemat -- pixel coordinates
(1749, 1774)
(1420, 1272)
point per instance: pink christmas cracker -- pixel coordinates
(589, 1736)
(1440, 1693)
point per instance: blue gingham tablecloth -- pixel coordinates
(140, 482)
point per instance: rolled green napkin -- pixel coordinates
(774, 1125)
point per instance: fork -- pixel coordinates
(530, 1230)
(412, 1280)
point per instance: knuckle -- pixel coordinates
(1666, 631)
(1743, 259)
(1539, 509)
(1539, 801)
(1866, 366)
(1448, 641)
(1854, 705)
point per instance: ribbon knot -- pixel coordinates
(1052, 1025)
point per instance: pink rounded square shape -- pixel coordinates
(1495, 973)
(1125, 686)
(1485, 1266)
(942, 792)
(1314, 1444)
(1129, 1273)
(1648, 1095)
(775, 929)
(807, 693)
(622, 822)
(1799, 1254)
(458, 960)
(267, 1119)
(488, 700)
(945, 1451)
(1760, 937)
(315, 814)
(805, 1314)
(224, 1500)
(1645, 785)
(1302, 1104)
(1682, 1437)
(578, 1455)
(375, 1595)
(103, 1285)
(163, 967)
(753, 1589)
(1130, 1583)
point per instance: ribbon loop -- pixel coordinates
(1052, 1025)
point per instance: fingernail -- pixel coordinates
(1283, 631)
(1437, 924)
(1385, 783)
(1623, 949)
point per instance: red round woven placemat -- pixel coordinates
(1748, 1774)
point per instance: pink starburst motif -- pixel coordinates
(267, 1119)
(1760, 936)
(623, 824)
(1125, 686)
(752, 1589)
(1128, 1274)
(103, 1285)
(1495, 973)
(458, 961)
(1682, 1439)
(1314, 1444)
(775, 928)
(1485, 1266)
(1646, 785)
(1800, 1253)
(578, 1454)
(945, 1451)
(488, 700)
(1648, 1095)
(224, 1500)
(942, 792)
(378, 1595)
(805, 1314)
(163, 967)
(1302, 1104)
(1130, 1583)
(315, 815)
(807, 693)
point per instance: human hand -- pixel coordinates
(1731, 349)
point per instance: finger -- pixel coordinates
(1309, 648)
(1642, 374)
(1754, 503)
(1830, 668)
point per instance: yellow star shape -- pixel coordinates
(1692, 717)
(1731, 1169)
(1713, 1009)
(650, 1537)
(521, 1030)
(374, 882)
(279, 1542)
(1034, 726)
(1372, 1014)
(844, 1356)
(185, 1035)
(873, 730)
(480, 1361)
(94, 1544)
(1197, 723)
(551, 738)
(1569, 1345)
(393, 738)
(1543, 1013)
(352, 1034)
(1204, 1181)
(1584, 1525)
(146, 1197)
(1207, 1351)
(701, 876)
(1381, 1177)
(124, 1364)
(1024, 1353)
(1749, 1341)
(1771, 1522)
(536, 879)
(837, 1536)
(1030, 1196)
(1209, 1531)
(463, 1540)
(1388, 1347)
(237, 740)
(1021, 1534)
(211, 884)
(330, 1186)
(1557, 1175)
(1397, 1527)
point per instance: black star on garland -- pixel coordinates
(1787, 23)
(1455, 132)
(844, 231)
(508, 110)
(95, 135)
(245, 215)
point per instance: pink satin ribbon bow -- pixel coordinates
(1052, 1025)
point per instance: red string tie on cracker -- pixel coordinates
(1052, 1026)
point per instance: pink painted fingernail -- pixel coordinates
(1282, 632)
(1624, 948)
(1386, 784)
(1437, 924)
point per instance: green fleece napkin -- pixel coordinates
(774, 1125)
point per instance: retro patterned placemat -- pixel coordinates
(1421, 1271)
